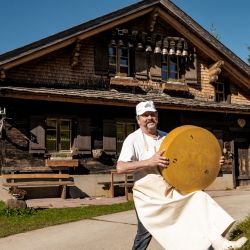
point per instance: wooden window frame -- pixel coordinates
(117, 57)
(167, 63)
(219, 95)
(125, 124)
(58, 134)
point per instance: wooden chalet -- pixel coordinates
(72, 95)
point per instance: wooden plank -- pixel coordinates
(128, 81)
(175, 86)
(243, 177)
(35, 176)
(61, 163)
(26, 169)
(35, 169)
(126, 185)
(115, 183)
(38, 183)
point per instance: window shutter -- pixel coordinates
(228, 93)
(109, 136)
(141, 66)
(101, 59)
(155, 69)
(82, 143)
(191, 74)
(37, 135)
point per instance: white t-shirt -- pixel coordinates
(139, 146)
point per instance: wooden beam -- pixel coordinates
(61, 163)
(153, 20)
(76, 53)
(32, 169)
(35, 176)
(175, 87)
(124, 81)
(214, 71)
(2, 75)
(37, 183)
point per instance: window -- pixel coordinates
(119, 60)
(58, 135)
(170, 67)
(123, 129)
(220, 95)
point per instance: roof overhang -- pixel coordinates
(113, 98)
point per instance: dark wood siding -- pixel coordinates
(101, 59)
(243, 162)
(191, 74)
(37, 135)
(155, 69)
(109, 136)
(82, 141)
(141, 66)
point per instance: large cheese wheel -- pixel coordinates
(194, 154)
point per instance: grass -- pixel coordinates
(14, 221)
(242, 229)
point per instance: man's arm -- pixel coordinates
(157, 160)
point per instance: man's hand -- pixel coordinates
(158, 160)
(222, 160)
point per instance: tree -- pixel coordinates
(248, 59)
(213, 31)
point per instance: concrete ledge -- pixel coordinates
(4, 194)
(87, 185)
(224, 182)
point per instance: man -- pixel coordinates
(140, 155)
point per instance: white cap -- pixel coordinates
(143, 107)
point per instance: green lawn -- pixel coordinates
(13, 221)
(242, 229)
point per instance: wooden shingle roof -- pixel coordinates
(111, 97)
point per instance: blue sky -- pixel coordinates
(26, 21)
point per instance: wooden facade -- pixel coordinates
(73, 95)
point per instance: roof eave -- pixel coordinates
(87, 97)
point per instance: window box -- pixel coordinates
(124, 81)
(175, 85)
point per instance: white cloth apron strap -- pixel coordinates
(176, 221)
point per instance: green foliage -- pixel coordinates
(213, 31)
(13, 221)
(242, 229)
(248, 59)
(17, 212)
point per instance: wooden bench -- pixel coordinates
(126, 183)
(50, 175)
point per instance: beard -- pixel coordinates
(151, 125)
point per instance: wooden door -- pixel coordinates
(242, 163)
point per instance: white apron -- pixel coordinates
(176, 221)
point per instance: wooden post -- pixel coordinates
(126, 186)
(112, 183)
(64, 192)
